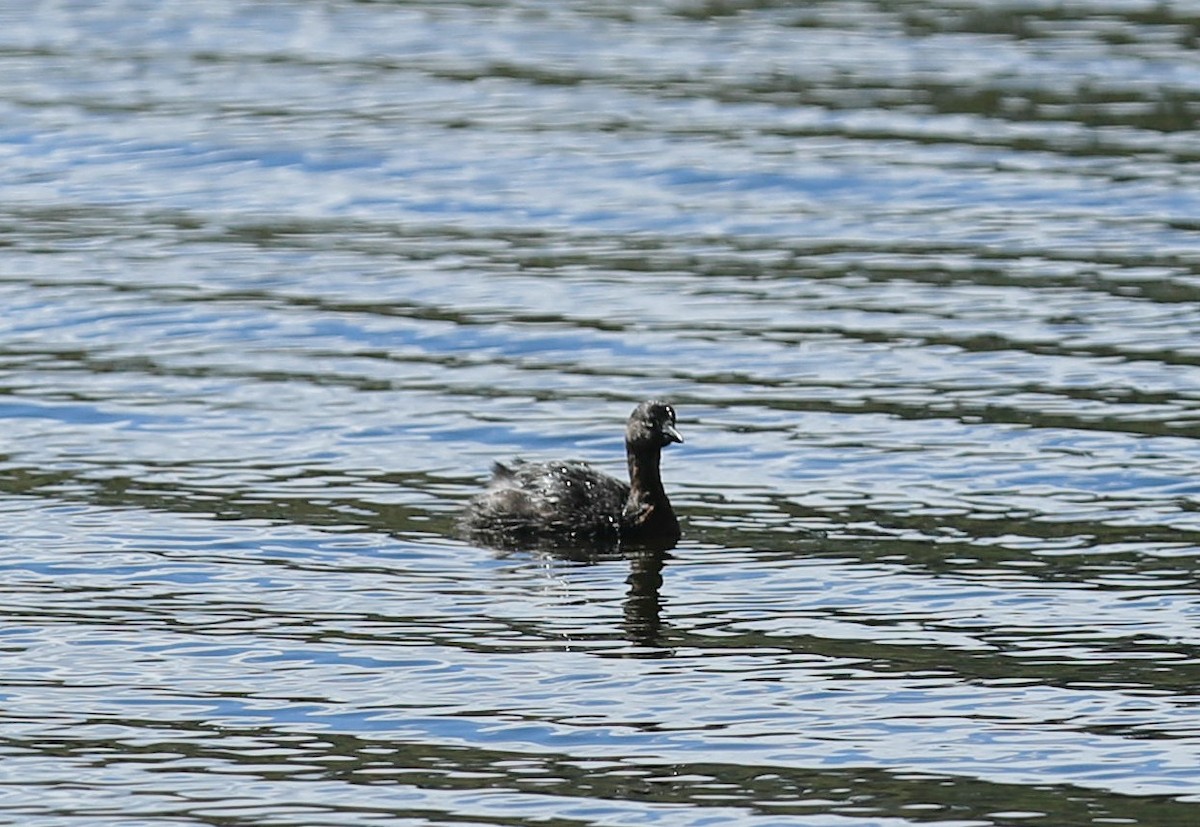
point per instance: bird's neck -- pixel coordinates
(645, 480)
(648, 518)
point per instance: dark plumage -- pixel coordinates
(571, 503)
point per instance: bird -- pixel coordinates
(570, 503)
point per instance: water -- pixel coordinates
(280, 280)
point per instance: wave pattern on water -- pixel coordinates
(281, 280)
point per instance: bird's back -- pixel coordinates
(530, 501)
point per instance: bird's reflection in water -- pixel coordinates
(643, 602)
(642, 607)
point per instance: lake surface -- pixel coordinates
(279, 281)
